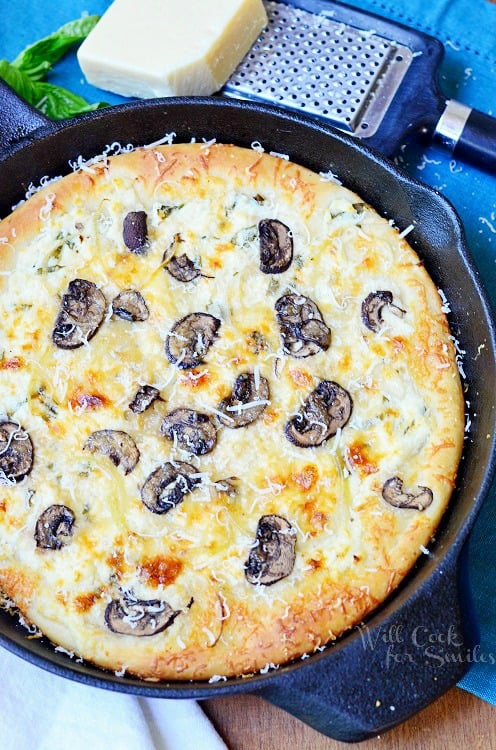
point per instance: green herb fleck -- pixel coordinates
(50, 409)
(245, 236)
(165, 211)
(22, 307)
(66, 239)
(273, 285)
(256, 342)
(49, 269)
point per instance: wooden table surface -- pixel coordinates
(457, 720)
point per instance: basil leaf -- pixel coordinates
(54, 101)
(25, 74)
(37, 59)
(23, 85)
(58, 103)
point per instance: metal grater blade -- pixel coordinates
(313, 63)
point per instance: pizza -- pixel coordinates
(231, 411)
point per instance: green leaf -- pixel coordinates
(59, 103)
(54, 101)
(37, 59)
(26, 73)
(19, 82)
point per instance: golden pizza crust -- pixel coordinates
(351, 547)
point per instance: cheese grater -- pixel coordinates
(367, 76)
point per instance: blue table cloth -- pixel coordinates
(468, 74)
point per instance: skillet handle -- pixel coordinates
(387, 673)
(469, 134)
(17, 118)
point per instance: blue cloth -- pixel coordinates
(468, 74)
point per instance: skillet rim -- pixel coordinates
(446, 552)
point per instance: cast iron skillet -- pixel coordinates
(415, 647)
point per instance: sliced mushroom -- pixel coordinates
(16, 451)
(247, 401)
(135, 232)
(180, 267)
(144, 397)
(116, 445)
(129, 616)
(276, 246)
(372, 307)
(183, 268)
(326, 409)
(54, 527)
(81, 313)
(228, 486)
(272, 556)
(167, 486)
(302, 326)
(193, 431)
(393, 493)
(190, 339)
(130, 305)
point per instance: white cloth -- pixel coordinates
(42, 711)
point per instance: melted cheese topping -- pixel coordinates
(352, 548)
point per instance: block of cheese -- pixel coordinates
(156, 48)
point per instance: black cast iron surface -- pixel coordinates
(415, 647)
